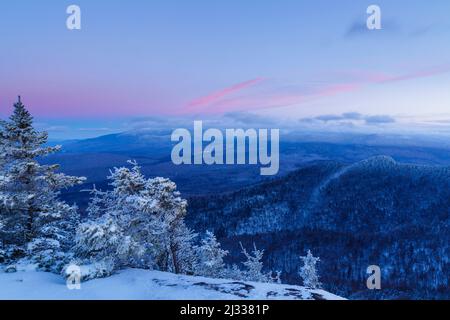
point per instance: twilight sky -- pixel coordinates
(287, 59)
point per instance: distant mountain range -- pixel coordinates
(94, 158)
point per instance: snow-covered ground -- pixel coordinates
(135, 284)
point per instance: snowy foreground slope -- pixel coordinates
(135, 284)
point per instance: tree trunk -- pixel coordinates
(174, 249)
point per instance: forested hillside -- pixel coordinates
(373, 212)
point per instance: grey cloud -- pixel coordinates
(352, 116)
(380, 119)
(349, 118)
(340, 117)
(156, 123)
(421, 31)
(249, 118)
(359, 28)
(329, 117)
(356, 28)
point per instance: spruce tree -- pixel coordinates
(210, 258)
(254, 266)
(34, 220)
(149, 215)
(308, 271)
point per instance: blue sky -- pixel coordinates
(288, 59)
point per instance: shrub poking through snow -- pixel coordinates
(210, 257)
(254, 266)
(308, 271)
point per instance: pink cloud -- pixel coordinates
(380, 77)
(228, 100)
(435, 71)
(277, 100)
(212, 98)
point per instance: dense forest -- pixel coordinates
(374, 212)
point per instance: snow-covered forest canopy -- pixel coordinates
(137, 223)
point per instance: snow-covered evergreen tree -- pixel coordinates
(149, 213)
(95, 207)
(34, 219)
(172, 240)
(103, 242)
(254, 266)
(210, 258)
(308, 271)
